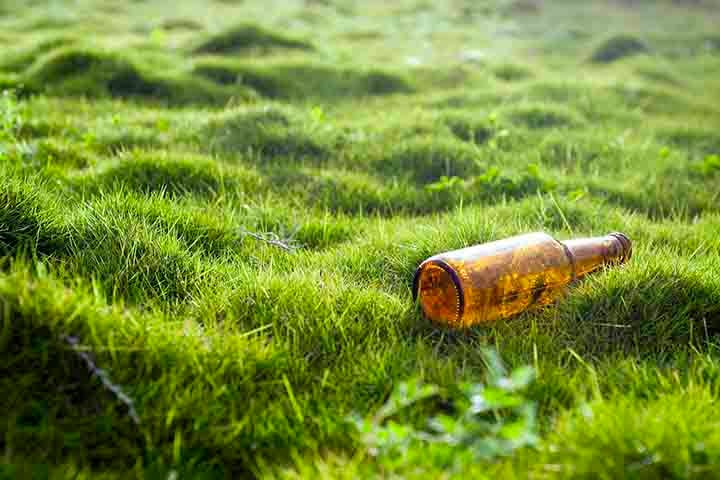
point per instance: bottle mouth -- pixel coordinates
(625, 246)
(437, 288)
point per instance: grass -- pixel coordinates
(210, 218)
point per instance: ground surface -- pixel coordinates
(157, 160)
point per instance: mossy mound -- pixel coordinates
(113, 141)
(303, 81)
(351, 192)
(264, 131)
(134, 259)
(658, 74)
(219, 71)
(86, 72)
(45, 153)
(25, 221)
(247, 37)
(20, 58)
(554, 91)
(655, 98)
(696, 141)
(469, 128)
(9, 82)
(180, 24)
(148, 173)
(538, 116)
(689, 44)
(711, 43)
(511, 73)
(688, 292)
(618, 47)
(577, 151)
(426, 160)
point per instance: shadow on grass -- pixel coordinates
(618, 47)
(648, 312)
(247, 37)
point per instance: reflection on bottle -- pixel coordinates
(500, 279)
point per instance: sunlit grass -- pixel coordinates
(222, 205)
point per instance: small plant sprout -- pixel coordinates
(710, 165)
(485, 421)
(445, 184)
(11, 116)
(317, 113)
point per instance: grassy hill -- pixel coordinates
(211, 212)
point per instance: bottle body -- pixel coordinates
(500, 279)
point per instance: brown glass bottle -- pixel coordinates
(499, 279)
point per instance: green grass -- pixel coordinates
(221, 206)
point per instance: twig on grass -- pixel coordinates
(270, 239)
(81, 351)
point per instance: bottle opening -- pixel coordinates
(439, 292)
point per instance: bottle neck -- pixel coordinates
(589, 254)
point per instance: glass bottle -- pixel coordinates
(500, 279)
